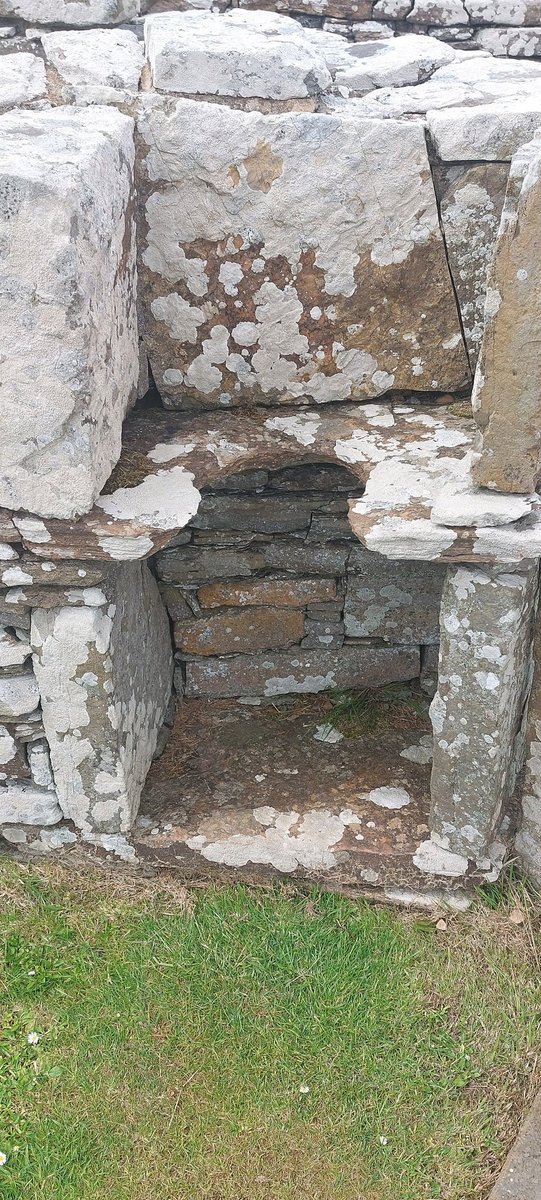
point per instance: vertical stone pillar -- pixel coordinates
(484, 675)
(104, 673)
(528, 840)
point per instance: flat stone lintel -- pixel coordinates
(413, 465)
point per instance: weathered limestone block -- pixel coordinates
(507, 387)
(345, 10)
(104, 676)
(18, 695)
(438, 12)
(21, 805)
(504, 12)
(201, 53)
(411, 58)
(269, 277)
(516, 43)
(485, 133)
(279, 593)
(70, 12)
(528, 839)
(243, 629)
(69, 349)
(22, 81)
(396, 601)
(96, 66)
(484, 674)
(300, 671)
(471, 202)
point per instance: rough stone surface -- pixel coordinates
(345, 10)
(301, 671)
(471, 202)
(489, 132)
(69, 365)
(70, 12)
(399, 602)
(245, 629)
(507, 388)
(98, 66)
(199, 53)
(517, 43)
(528, 839)
(411, 58)
(28, 806)
(484, 665)
(13, 651)
(263, 271)
(18, 695)
(280, 593)
(104, 676)
(22, 80)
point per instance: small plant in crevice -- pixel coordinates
(359, 711)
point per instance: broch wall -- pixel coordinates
(244, 300)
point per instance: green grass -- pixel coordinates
(358, 711)
(177, 1040)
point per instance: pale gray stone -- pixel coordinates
(96, 66)
(13, 651)
(516, 43)
(396, 601)
(19, 695)
(411, 58)
(20, 805)
(69, 350)
(70, 12)
(22, 80)
(528, 839)
(282, 673)
(105, 681)
(484, 665)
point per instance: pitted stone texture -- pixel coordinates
(96, 66)
(70, 12)
(507, 388)
(399, 602)
(206, 54)
(20, 805)
(236, 631)
(411, 58)
(528, 839)
(484, 667)
(301, 671)
(69, 349)
(471, 202)
(268, 277)
(105, 680)
(22, 81)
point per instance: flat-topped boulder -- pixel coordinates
(93, 66)
(70, 12)
(22, 81)
(69, 362)
(409, 59)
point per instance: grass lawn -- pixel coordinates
(227, 1044)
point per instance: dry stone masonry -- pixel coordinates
(256, 265)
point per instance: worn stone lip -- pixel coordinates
(406, 458)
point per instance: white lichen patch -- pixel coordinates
(434, 860)
(287, 843)
(389, 797)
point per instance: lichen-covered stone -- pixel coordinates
(70, 12)
(516, 43)
(471, 202)
(528, 839)
(484, 664)
(27, 805)
(345, 10)
(69, 350)
(18, 695)
(238, 630)
(278, 674)
(280, 593)
(104, 675)
(399, 602)
(264, 272)
(411, 58)
(96, 66)
(13, 651)
(507, 388)
(22, 81)
(13, 763)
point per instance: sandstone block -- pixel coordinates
(30, 571)
(471, 202)
(202, 53)
(70, 12)
(442, 13)
(247, 221)
(396, 601)
(104, 675)
(484, 665)
(22, 80)
(275, 593)
(97, 66)
(345, 10)
(300, 671)
(238, 630)
(507, 387)
(18, 695)
(28, 806)
(69, 353)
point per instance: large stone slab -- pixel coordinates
(69, 347)
(95, 66)
(291, 258)
(504, 12)
(70, 12)
(411, 58)
(487, 132)
(278, 674)
(484, 674)
(206, 54)
(471, 202)
(399, 602)
(22, 81)
(345, 10)
(514, 42)
(507, 388)
(243, 629)
(27, 805)
(528, 839)
(104, 675)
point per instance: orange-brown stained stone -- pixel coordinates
(347, 10)
(238, 630)
(288, 593)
